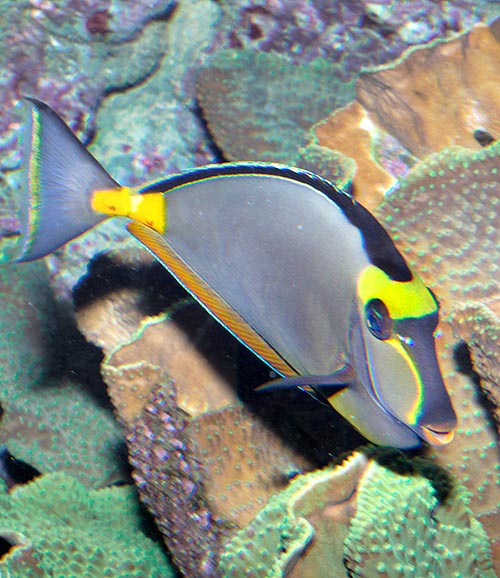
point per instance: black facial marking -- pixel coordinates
(378, 244)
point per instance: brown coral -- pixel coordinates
(432, 97)
(183, 341)
(204, 478)
(438, 96)
(478, 323)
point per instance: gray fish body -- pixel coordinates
(297, 270)
(296, 246)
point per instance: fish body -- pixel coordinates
(296, 269)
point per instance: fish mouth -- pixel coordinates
(436, 436)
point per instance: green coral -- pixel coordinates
(400, 530)
(330, 164)
(445, 216)
(56, 527)
(259, 105)
(294, 523)
(51, 422)
(362, 520)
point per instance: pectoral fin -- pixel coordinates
(326, 385)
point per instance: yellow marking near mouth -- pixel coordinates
(149, 209)
(413, 413)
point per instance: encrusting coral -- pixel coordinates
(354, 34)
(478, 324)
(301, 531)
(205, 477)
(183, 341)
(458, 73)
(360, 519)
(445, 218)
(243, 92)
(54, 526)
(401, 530)
(50, 421)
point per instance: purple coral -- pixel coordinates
(356, 33)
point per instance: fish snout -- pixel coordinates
(439, 434)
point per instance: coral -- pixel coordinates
(49, 52)
(216, 477)
(407, 109)
(48, 420)
(331, 165)
(53, 526)
(243, 93)
(350, 132)
(359, 519)
(432, 97)
(444, 217)
(430, 208)
(162, 133)
(252, 107)
(161, 342)
(478, 324)
(183, 341)
(169, 484)
(46, 47)
(400, 529)
(301, 531)
(354, 34)
(217, 469)
(457, 74)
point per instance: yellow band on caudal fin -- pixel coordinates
(149, 208)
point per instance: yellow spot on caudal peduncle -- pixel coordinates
(402, 298)
(148, 208)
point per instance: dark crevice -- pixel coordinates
(6, 547)
(463, 363)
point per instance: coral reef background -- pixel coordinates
(111, 376)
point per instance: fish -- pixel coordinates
(294, 267)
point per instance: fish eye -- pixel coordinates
(377, 319)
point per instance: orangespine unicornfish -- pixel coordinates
(295, 268)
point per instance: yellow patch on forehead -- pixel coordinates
(402, 298)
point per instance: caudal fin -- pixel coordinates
(61, 177)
